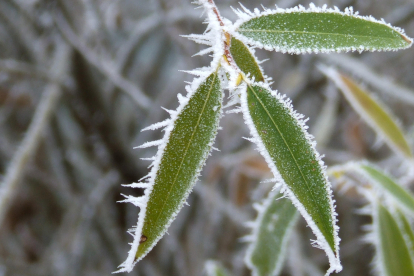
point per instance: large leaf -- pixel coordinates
(271, 232)
(245, 60)
(282, 139)
(401, 196)
(372, 111)
(300, 30)
(393, 253)
(180, 157)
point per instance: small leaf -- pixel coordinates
(215, 269)
(372, 111)
(179, 161)
(393, 253)
(401, 196)
(299, 30)
(245, 60)
(271, 232)
(290, 153)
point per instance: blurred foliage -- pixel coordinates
(85, 76)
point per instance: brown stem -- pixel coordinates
(227, 41)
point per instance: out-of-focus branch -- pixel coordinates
(148, 24)
(41, 118)
(104, 66)
(18, 67)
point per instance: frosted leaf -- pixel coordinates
(271, 232)
(279, 132)
(182, 152)
(317, 30)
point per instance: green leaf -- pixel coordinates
(177, 166)
(394, 257)
(271, 232)
(372, 111)
(290, 153)
(245, 60)
(401, 196)
(299, 30)
(407, 232)
(214, 268)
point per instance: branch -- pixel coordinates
(44, 111)
(105, 67)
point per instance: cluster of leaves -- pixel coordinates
(279, 132)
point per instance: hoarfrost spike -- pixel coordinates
(200, 39)
(181, 98)
(204, 52)
(137, 201)
(169, 111)
(236, 110)
(137, 185)
(148, 159)
(155, 143)
(157, 125)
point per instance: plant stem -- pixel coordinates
(227, 41)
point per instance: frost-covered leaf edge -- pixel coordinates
(247, 15)
(375, 238)
(321, 241)
(358, 167)
(142, 201)
(252, 238)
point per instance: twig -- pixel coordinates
(145, 26)
(105, 67)
(88, 212)
(18, 67)
(43, 112)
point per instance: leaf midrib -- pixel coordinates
(318, 33)
(290, 151)
(188, 146)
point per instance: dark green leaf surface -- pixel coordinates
(401, 196)
(245, 60)
(291, 152)
(298, 32)
(394, 255)
(407, 232)
(273, 228)
(188, 146)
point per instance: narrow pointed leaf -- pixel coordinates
(290, 153)
(299, 30)
(215, 269)
(372, 111)
(245, 60)
(273, 226)
(188, 142)
(401, 196)
(393, 253)
(407, 231)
